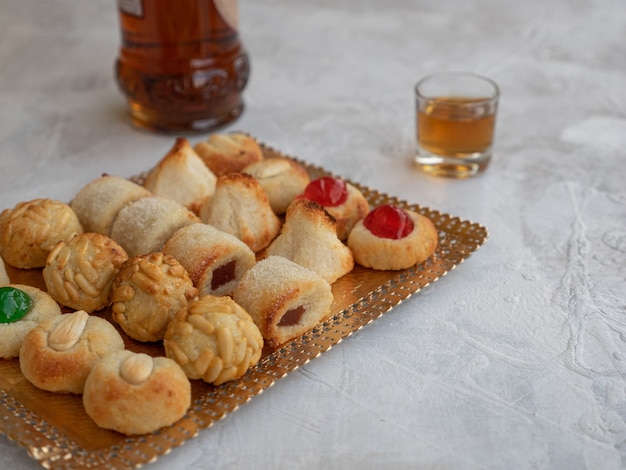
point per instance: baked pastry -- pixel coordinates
(22, 308)
(79, 272)
(182, 176)
(147, 294)
(214, 340)
(228, 153)
(58, 354)
(282, 179)
(143, 226)
(340, 199)
(29, 231)
(99, 201)
(284, 299)
(215, 260)
(133, 393)
(392, 238)
(309, 238)
(4, 277)
(240, 207)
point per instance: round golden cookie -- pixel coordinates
(147, 293)
(228, 153)
(380, 253)
(58, 355)
(144, 225)
(282, 180)
(215, 340)
(79, 273)
(4, 277)
(133, 393)
(12, 334)
(30, 230)
(99, 201)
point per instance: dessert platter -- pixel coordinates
(65, 430)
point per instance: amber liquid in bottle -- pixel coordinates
(181, 64)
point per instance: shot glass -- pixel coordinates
(456, 117)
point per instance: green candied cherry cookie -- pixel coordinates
(14, 304)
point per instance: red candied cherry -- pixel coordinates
(326, 191)
(389, 221)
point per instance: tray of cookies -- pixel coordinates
(148, 308)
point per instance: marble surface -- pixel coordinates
(516, 359)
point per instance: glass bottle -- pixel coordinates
(181, 64)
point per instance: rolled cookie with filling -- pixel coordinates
(147, 294)
(392, 238)
(58, 355)
(284, 299)
(215, 340)
(30, 230)
(215, 260)
(309, 238)
(282, 179)
(241, 207)
(133, 393)
(79, 273)
(143, 226)
(182, 176)
(99, 201)
(41, 307)
(228, 153)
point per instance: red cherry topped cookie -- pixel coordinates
(389, 221)
(392, 238)
(340, 199)
(326, 191)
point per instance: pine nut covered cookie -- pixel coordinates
(147, 294)
(214, 340)
(30, 230)
(79, 273)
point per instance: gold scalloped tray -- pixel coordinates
(56, 431)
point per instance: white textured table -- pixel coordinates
(516, 359)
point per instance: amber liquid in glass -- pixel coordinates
(455, 126)
(181, 64)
